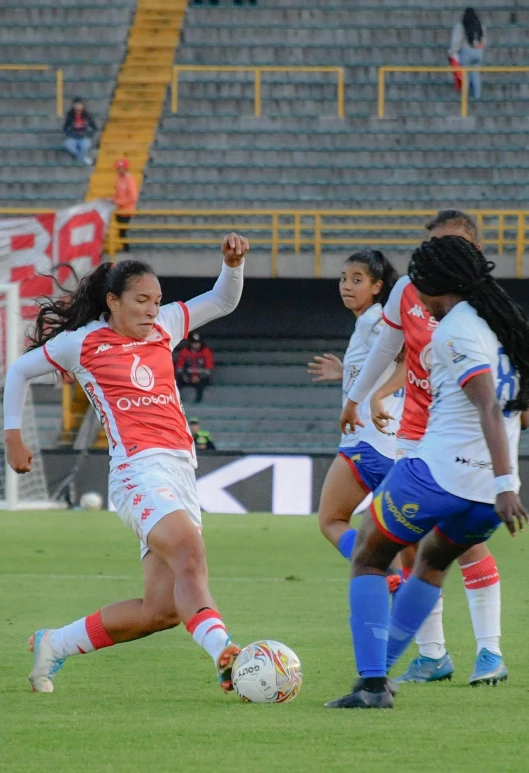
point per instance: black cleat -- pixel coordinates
(361, 698)
(391, 685)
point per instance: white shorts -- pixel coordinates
(145, 490)
(405, 448)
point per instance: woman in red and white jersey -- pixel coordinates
(408, 321)
(116, 339)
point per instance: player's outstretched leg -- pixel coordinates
(482, 586)
(116, 623)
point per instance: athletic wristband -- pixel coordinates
(504, 483)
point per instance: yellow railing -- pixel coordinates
(59, 80)
(316, 229)
(464, 88)
(257, 71)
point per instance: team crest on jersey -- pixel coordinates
(426, 357)
(141, 375)
(455, 355)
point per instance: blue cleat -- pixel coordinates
(489, 668)
(424, 669)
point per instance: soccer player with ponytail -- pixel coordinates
(116, 339)
(463, 479)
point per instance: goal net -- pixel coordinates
(27, 491)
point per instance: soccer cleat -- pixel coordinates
(225, 663)
(46, 662)
(489, 668)
(424, 669)
(391, 685)
(361, 698)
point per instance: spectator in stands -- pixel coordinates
(467, 47)
(202, 437)
(125, 195)
(194, 366)
(79, 128)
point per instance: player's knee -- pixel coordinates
(190, 558)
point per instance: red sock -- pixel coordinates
(96, 632)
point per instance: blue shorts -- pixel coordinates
(368, 465)
(409, 504)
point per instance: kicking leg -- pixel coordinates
(116, 623)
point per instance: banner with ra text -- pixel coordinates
(32, 248)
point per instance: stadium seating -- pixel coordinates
(214, 153)
(85, 38)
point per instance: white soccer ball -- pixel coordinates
(91, 500)
(267, 672)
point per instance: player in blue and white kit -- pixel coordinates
(464, 480)
(365, 458)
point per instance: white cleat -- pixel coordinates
(46, 662)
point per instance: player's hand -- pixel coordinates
(349, 418)
(326, 368)
(510, 510)
(379, 416)
(234, 248)
(19, 456)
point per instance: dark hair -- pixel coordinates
(452, 264)
(457, 217)
(87, 303)
(379, 269)
(472, 26)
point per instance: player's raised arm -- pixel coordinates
(28, 366)
(226, 293)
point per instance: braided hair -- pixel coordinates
(452, 264)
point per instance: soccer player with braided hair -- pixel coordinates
(463, 480)
(408, 321)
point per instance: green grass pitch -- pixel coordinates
(154, 706)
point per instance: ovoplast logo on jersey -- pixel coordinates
(141, 375)
(126, 403)
(414, 380)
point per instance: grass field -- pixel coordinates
(154, 705)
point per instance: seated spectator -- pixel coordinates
(79, 127)
(125, 195)
(202, 437)
(194, 365)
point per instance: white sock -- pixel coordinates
(430, 636)
(482, 586)
(72, 639)
(209, 632)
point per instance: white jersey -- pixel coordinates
(454, 447)
(366, 331)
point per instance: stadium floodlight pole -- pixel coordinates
(12, 353)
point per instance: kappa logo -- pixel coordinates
(141, 375)
(417, 311)
(103, 348)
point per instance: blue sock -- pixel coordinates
(412, 606)
(346, 543)
(369, 604)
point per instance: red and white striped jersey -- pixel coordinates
(130, 383)
(405, 312)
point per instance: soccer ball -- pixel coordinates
(267, 672)
(91, 500)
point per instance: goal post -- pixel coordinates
(27, 491)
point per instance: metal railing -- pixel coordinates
(257, 71)
(310, 229)
(449, 69)
(59, 80)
